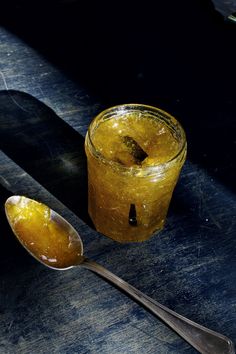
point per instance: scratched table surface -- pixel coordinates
(58, 69)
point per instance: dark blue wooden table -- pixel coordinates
(53, 82)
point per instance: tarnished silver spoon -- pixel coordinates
(54, 242)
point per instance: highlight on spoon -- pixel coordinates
(44, 233)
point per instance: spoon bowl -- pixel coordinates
(54, 242)
(45, 234)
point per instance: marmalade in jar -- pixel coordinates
(135, 154)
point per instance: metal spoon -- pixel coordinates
(201, 338)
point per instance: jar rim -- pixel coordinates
(132, 107)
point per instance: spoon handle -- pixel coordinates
(201, 338)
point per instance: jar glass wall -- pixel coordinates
(135, 154)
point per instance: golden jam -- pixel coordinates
(135, 154)
(47, 240)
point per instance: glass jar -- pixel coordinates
(135, 153)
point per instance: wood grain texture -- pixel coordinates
(190, 266)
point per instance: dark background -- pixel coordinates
(178, 55)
